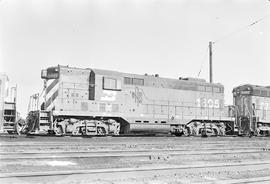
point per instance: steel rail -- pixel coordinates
(127, 153)
(126, 170)
(142, 142)
(264, 179)
(133, 150)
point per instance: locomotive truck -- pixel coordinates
(91, 101)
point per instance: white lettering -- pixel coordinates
(108, 95)
(198, 101)
(211, 103)
(217, 103)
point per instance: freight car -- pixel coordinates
(103, 102)
(252, 108)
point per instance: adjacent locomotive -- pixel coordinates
(102, 102)
(252, 108)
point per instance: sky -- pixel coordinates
(165, 37)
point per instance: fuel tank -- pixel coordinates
(149, 128)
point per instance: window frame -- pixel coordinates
(141, 83)
(216, 89)
(208, 87)
(131, 81)
(117, 84)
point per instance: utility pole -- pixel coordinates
(210, 63)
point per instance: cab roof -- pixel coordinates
(255, 90)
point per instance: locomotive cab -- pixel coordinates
(50, 73)
(244, 109)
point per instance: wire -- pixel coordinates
(242, 28)
(228, 35)
(203, 61)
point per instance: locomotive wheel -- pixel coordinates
(18, 128)
(178, 134)
(204, 133)
(10, 132)
(78, 131)
(59, 130)
(101, 131)
(215, 132)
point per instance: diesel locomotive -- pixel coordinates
(91, 101)
(252, 109)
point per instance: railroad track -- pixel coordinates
(42, 150)
(123, 153)
(261, 180)
(128, 154)
(104, 149)
(107, 159)
(95, 143)
(119, 138)
(118, 173)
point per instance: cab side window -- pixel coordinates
(111, 83)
